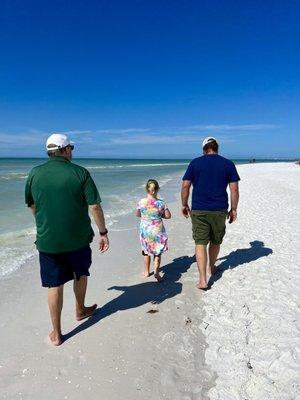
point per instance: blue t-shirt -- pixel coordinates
(210, 175)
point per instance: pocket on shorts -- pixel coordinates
(201, 228)
(219, 227)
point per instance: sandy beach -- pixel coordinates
(239, 340)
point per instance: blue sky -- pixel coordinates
(141, 78)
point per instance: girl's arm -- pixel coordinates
(138, 210)
(167, 214)
(138, 213)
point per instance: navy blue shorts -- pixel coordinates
(57, 269)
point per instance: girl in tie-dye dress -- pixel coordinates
(153, 236)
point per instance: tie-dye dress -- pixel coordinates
(153, 236)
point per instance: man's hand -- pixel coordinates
(103, 244)
(97, 213)
(232, 216)
(185, 210)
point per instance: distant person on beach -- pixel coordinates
(60, 195)
(209, 175)
(153, 236)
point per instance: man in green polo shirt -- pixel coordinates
(60, 195)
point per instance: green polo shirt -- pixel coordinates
(61, 192)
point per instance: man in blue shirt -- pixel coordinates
(209, 175)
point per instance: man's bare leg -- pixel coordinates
(55, 303)
(201, 257)
(80, 291)
(147, 261)
(213, 251)
(157, 260)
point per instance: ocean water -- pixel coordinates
(120, 183)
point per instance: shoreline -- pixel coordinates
(23, 239)
(16, 244)
(153, 341)
(141, 325)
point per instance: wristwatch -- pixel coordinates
(103, 233)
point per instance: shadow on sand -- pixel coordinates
(142, 293)
(239, 257)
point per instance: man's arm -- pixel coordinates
(234, 200)
(33, 209)
(185, 192)
(98, 216)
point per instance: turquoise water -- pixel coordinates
(120, 183)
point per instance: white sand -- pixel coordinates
(250, 322)
(124, 353)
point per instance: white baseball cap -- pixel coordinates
(59, 140)
(207, 140)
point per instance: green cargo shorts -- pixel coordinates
(208, 226)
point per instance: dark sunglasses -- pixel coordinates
(70, 146)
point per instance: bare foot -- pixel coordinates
(158, 277)
(87, 312)
(55, 338)
(146, 274)
(202, 285)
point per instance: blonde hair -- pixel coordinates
(152, 187)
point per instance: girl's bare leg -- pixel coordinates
(157, 260)
(147, 261)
